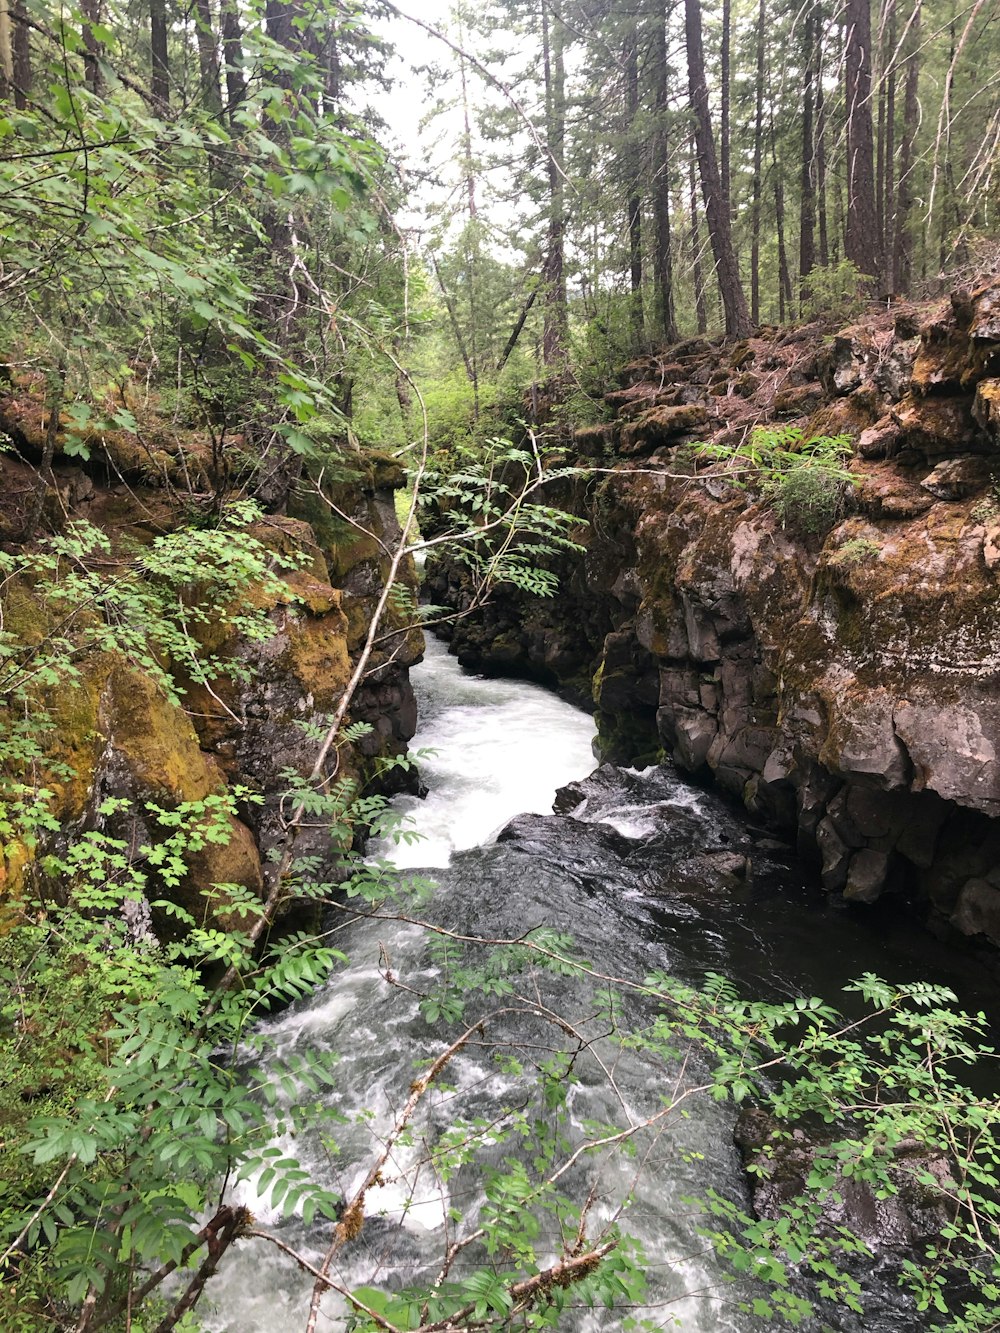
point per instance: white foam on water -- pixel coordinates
(501, 750)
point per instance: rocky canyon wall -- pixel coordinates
(841, 683)
(113, 734)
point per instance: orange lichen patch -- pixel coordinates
(941, 365)
(799, 400)
(888, 495)
(25, 418)
(846, 416)
(314, 594)
(592, 441)
(293, 538)
(74, 743)
(383, 472)
(660, 424)
(985, 312)
(15, 856)
(358, 612)
(637, 397)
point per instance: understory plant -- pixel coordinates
(805, 481)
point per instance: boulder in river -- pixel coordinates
(910, 1207)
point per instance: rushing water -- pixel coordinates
(619, 875)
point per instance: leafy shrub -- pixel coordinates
(804, 481)
(856, 552)
(835, 291)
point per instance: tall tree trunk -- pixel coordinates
(902, 241)
(785, 297)
(232, 55)
(878, 75)
(719, 223)
(666, 319)
(159, 80)
(554, 332)
(861, 236)
(21, 39)
(824, 233)
(472, 246)
(758, 169)
(724, 106)
(208, 57)
(15, 53)
(701, 309)
(456, 328)
(807, 179)
(6, 51)
(278, 16)
(92, 48)
(889, 179)
(634, 201)
(467, 163)
(515, 332)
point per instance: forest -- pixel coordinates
(646, 349)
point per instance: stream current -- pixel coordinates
(624, 872)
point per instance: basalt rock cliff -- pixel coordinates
(842, 683)
(114, 733)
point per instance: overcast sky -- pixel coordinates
(405, 106)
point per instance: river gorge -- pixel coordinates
(647, 872)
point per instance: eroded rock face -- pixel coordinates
(845, 683)
(117, 734)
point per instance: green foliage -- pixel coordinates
(151, 612)
(496, 527)
(804, 481)
(857, 551)
(835, 292)
(156, 250)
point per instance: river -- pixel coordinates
(626, 875)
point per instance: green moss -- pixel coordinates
(157, 741)
(317, 655)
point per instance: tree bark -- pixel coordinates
(472, 236)
(700, 307)
(807, 178)
(554, 329)
(824, 235)
(758, 169)
(232, 55)
(456, 328)
(720, 231)
(159, 81)
(666, 319)
(878, 76)
(634, 202)
(785, 298)
(902, 241)
(725, 99)
(861, 238)
(208, 57)
(889, 178)
(21, 41)
(515, 332)
(92, 48)
(6, 51)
